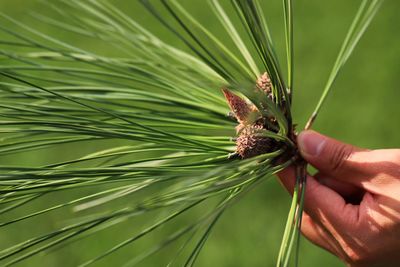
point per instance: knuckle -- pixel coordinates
(339, 156)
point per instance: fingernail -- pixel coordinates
(310, 143)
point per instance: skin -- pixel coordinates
(352, 204)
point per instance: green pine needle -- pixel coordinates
(146, 123)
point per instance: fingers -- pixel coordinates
(346, 190)
(322, 203)
(328, 155)
(375, 171)
(316, 234)
(335, 159)
(325, 215)
(351, 193)
(320, 236)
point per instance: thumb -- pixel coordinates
(328, 155)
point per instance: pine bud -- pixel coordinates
(251, 143)
(264, 83)
(240, 108)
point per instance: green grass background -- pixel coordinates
(363, 109)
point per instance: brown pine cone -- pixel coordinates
(250, 143)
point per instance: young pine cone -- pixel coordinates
(251, 143)
(264, 83)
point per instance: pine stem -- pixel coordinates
(288, 12)
(302, 170)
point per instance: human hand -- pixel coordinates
(352, 204)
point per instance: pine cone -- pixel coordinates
(240, 108)
(264, 83)
(250, 143)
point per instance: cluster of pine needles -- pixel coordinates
(165, 112)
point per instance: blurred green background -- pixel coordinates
(363, 110)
